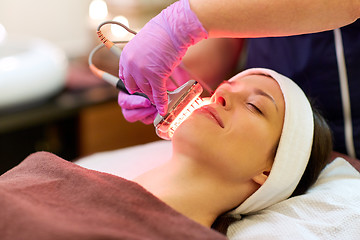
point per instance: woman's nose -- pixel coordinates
(223, 98)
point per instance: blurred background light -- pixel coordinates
(117, 30)
(98, 10)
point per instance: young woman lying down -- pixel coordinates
(257, 143)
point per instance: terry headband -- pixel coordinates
(294, 148)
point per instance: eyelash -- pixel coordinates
(255, 107)
(249, 103)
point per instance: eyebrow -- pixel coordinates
(258, 91)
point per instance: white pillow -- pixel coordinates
(329, 210)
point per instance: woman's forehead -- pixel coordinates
(258, 77)
(258, 80)
(259, 83)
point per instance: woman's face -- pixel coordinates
(236, 135)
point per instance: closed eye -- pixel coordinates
(255, 107)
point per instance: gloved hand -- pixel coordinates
(150, 57)
(137, 108)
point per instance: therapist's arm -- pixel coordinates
(265, 18)
(213, 60)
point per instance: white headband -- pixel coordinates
(294, 148)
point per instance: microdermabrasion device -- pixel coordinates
(181, 102)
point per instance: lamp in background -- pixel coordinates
(118, 31)
(98, 10)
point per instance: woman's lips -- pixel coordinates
(213, 114)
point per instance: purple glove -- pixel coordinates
(137, 108)
(150, 57)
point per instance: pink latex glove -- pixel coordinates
(137, 108)
(150, 57)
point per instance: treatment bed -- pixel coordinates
(329, 210)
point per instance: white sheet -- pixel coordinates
(129, 162)
(329, 210)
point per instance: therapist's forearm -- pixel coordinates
(213, 60)
(265, 18)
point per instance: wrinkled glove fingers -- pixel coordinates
(150, 119)
(128, 80)
(132, 101)
(145, 115)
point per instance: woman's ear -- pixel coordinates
(261, 178)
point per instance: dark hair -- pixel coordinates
(319, 157)
(320, 153)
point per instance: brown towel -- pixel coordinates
(46, 197)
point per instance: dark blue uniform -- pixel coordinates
(312, 62)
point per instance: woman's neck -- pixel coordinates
(188, 189)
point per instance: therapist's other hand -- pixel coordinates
(137, 108)
(150, 57)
